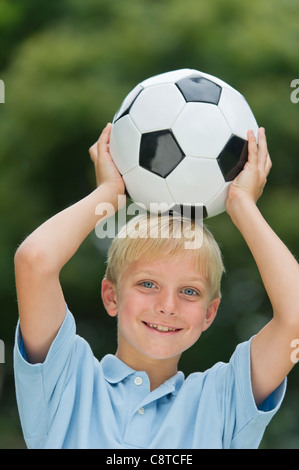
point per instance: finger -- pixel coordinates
(103, 141)
(93, 152)
(252, 148)
(268, 165)
(105, 135)
(262, 148)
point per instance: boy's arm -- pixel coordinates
(40, 258)
(271, 347)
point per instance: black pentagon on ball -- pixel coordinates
(199, 89)
(159, 152)
(233, 157)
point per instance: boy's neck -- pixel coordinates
(158, 370)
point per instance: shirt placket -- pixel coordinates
(143, 413)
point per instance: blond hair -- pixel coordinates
(170, 237)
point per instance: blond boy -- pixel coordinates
(164, 296)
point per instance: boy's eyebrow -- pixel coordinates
(154, 273)
(145, 271)
(199, 279)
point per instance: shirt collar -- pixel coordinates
(116, 370)
(176, 382)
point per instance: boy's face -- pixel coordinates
(162, 306)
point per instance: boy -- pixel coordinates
(164, 300)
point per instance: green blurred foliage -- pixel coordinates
(67, 66)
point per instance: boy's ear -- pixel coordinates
(109, 297)
(211, 313)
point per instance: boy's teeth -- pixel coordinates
(161, 328)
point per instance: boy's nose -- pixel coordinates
(167, 304)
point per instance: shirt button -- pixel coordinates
(141, 411)
(138, 381)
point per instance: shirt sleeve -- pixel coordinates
(244, 423)
(37, 397)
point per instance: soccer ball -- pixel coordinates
(179, 139)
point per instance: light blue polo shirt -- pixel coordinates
(74, 401)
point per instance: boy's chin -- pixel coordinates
(162, 355)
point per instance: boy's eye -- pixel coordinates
(189, 291)
(148, 284)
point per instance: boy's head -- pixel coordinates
(164, 294)
(170, 237)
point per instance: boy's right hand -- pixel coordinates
(105, 169)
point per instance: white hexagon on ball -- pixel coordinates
(157, 107)
(217, 204)
(149, 189)
(195, 132)
(124, 144)
(237, 113)
(195, 181)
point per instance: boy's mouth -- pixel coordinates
(161, 328)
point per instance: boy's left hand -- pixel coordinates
(249, 184)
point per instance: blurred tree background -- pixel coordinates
(67, 65)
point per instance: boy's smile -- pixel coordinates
(162, 306)
(162, 328)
